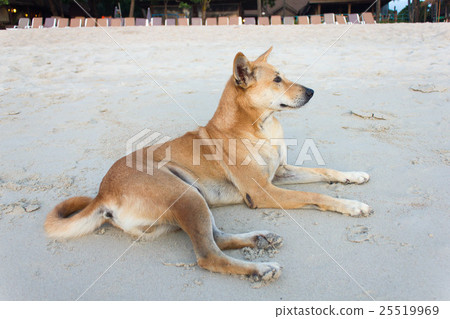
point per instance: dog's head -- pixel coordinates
(265, 87)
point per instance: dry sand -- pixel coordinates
(69, 100)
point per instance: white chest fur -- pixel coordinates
(274, 150)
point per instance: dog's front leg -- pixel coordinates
(267, 195)
(289, 174)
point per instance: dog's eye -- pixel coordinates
(277, 79)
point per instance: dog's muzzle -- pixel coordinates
(301, 100)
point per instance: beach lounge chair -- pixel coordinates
(170, 22)
(115, 22)
(303, 20)
(50, 23)
(63, 23)
(249, 21)
(24, 23)
(197, 21)
(317, 19)
(104, 22)
(367, 18)
(82, 19)
(141, 22)
(235, 20)
(340, 19)
(183, 21)
(36, 23)
(156, 21)
(353, 18)
(129, 22)
(263, 21)
(289, 20)
(76, 22)
(275, 20)
(211, 21)
(329, 18)
(223, 21)
(91, 22)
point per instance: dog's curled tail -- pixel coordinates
(61, 222)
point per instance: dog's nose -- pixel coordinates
(309, 93)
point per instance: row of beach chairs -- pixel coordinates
(327, 18)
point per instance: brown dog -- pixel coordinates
(225, 170)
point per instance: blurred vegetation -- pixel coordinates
(423, 14)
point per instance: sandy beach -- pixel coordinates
(71, 98)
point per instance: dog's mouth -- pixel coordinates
(289, 106)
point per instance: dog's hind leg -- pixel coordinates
(192, 214)
(289, 174)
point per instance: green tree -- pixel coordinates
(418, 12)
(204, 4)
(4, 2)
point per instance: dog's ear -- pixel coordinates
(263, 57)
(242, 70)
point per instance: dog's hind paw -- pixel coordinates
(266, 272)
(355, 178)
(269, 240)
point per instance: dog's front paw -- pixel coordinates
(266, 240)
(266, 272)
(355, 178)
(356, 209)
